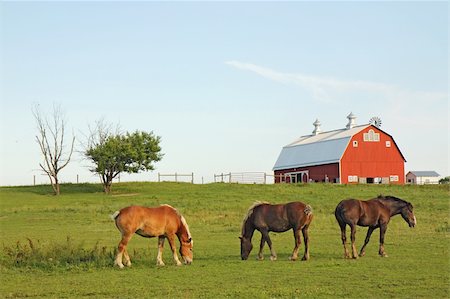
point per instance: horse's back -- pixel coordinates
(281, 217)
(148, 221)
(348, 209)
(361, 212)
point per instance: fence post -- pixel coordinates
(159, 177)
(229, 178)
(78, 179)
(176, 178)
(34, 180)
(192, 180)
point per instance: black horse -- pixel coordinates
(374, 213)
(265, 218)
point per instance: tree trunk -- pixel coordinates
(107, 187)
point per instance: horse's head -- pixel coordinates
(186, 251)
(408, 214)
(246, 247)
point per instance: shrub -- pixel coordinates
(34, 254)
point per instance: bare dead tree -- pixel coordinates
(51, 140)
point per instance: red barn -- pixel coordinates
(355, 154)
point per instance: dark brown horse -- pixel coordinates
(267, 218)
(374, 213)
(162, 222)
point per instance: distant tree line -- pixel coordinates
(110, 151)
(445, 180)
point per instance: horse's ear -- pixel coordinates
(240, 237)
(190, 240)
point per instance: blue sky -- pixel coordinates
(225, 84)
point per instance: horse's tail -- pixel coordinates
(114, 216)
(308, 210)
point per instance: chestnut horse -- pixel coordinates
(265, 218)
(162, 222)
(374, 213)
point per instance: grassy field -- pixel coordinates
(63, 247)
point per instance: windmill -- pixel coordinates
(376, 121)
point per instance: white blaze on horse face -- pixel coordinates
(415, 220)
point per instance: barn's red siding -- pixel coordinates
(372, 159)
(315, 173)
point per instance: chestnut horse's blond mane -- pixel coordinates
(250, 211)
(183, 220)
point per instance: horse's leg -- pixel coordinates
(265, 233)
(121, 248)
(306, 241)
(383, 228)
(298, 241)
(261, 247)
(353, 239)
(159, 261)
(344, 239)
(171, 239)
(369, 233)
(127, 258)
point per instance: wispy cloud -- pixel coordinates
(324, 89)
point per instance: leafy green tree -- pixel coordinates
(445, 180)
(113, 154)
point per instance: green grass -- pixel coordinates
(63, 247)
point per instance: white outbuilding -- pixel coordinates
(422, 177)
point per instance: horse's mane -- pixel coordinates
(183, 220)
(392, 198)
(250, 211)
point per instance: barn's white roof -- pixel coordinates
(323, 148)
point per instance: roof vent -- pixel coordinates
(351, 121)
(317, 129)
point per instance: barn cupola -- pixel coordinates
(351, 121)
(317, 129)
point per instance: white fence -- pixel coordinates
(244, 178)
(177, 177)
(230, 177)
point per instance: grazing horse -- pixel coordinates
(162, 222)
(374, 213)
(265, 218)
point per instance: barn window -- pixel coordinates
(352, 178)
(393, 178)
(372, 136)
(355, 143)
(388, 144)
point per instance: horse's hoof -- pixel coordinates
(305, 258)
(273, 258)
(293, 258)
(260, 258)
(362, 254)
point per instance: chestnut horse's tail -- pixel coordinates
(114, 216)
(308, 210)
